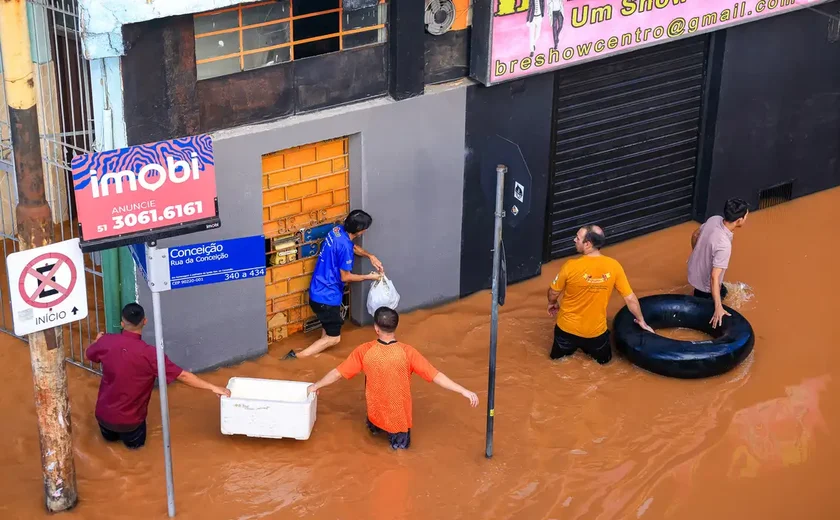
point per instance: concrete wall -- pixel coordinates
(406, 169)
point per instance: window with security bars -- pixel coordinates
(262, 34)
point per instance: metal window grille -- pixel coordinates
(65, 119)
(258, 35)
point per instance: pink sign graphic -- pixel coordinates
(534, 36)
(147, 187)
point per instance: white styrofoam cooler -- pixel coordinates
(268, 408)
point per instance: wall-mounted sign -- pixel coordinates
(145, 192)
(47, 286)
(512, 39)
(180, 267)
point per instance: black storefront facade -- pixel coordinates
(658, 136)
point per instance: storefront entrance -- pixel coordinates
(625, 143)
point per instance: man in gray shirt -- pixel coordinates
(711, 248)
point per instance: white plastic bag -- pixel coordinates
(382, 294)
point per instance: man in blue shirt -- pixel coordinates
(333, 270)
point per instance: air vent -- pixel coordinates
(776, 195)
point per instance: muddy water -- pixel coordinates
(574, 440)
(683, 334)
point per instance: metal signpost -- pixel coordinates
(513, 203)
(141, 194)
(189, 266)
(494, 313)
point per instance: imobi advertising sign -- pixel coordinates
(517, 38)
(146, 192)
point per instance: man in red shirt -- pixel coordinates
(129, 370)
(388, 365)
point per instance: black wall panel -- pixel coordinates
(520, 112)
(778, 117)
(447, 56)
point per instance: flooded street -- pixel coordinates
(574, 440)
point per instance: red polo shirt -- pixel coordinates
(129, 369)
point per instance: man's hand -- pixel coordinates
(99, 336)
(312, 389)
(645, 326)
(373, 277)
(376, 264)
(553, 309)
(471, 396)
(218, 390)
(717, 317)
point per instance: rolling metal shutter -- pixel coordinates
(626, 133)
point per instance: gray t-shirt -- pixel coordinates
(713, 249)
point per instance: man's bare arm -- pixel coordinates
(331, 377)
(720, 312)
(553, 303)
(373, 260)
(190, 379)
(636, 310)
(348, 277)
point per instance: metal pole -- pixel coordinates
(494, 313)
(35, 229)
(164, 397)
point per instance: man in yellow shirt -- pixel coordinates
(586, 284)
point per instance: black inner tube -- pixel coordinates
(731, 343)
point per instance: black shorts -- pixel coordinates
(330, 318)
(133, 439)
(566, 344)
(700, 294)
(399, 441)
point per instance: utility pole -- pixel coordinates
(35, 229)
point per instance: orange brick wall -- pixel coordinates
(302, 187)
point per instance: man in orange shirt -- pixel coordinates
(586, 284)
(388, 365)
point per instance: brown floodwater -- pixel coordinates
(683, 334)
(574, 440)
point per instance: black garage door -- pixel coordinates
(626, 135)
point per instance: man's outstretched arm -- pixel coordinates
(331, 377)
(444, 382)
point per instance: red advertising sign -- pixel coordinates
(143, 192)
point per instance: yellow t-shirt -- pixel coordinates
(587, 283)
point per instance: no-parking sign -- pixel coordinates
(47, 286)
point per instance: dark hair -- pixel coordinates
(734, 209)
(133, 314)
(386, 319)
(594, 236)
(357, 221)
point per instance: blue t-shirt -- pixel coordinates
(336, 255)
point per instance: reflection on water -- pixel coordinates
(778, 433)
(683, 334)
(574, 440)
